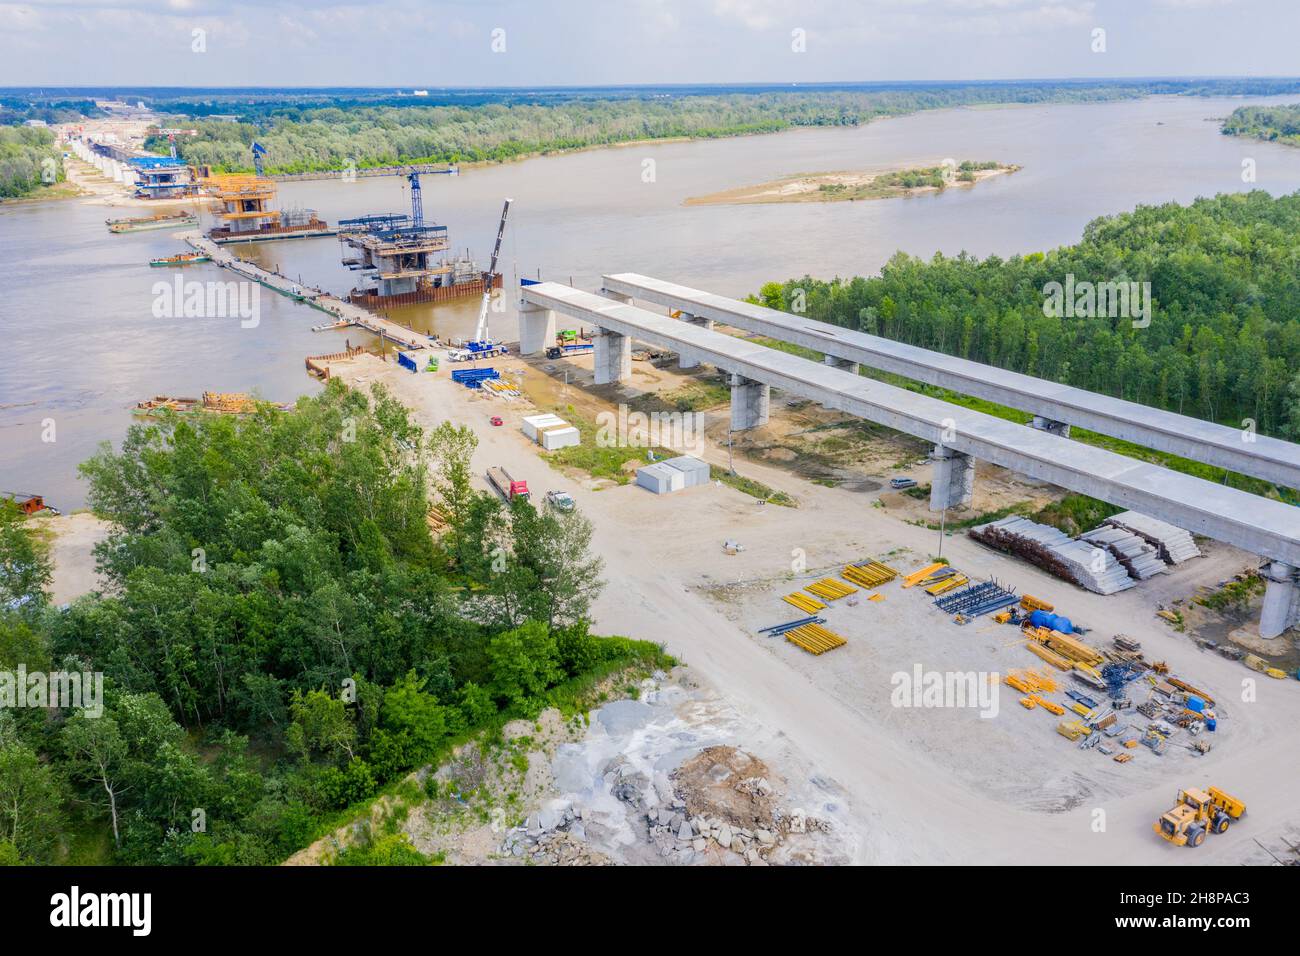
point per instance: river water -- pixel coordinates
(82, 345)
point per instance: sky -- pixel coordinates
(407, 44)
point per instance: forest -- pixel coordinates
(28, 160)
(1275, 124)
(1223, 343)
(281, 636)
(309, 133)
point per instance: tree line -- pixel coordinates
(280, 634)
(29, 158)
(1223, 342)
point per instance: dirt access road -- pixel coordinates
(907, 806)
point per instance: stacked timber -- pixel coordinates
(1056, 552)
(1140, 558)
(1173, 544)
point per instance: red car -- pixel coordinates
(496, 420)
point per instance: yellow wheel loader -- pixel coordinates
(1196, 813)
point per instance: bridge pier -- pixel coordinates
(1281, 600)
(847, 365)
(536, 328)
(750, 401)
(1060, 429)
(686, 360)
(613, 357)
(952, 480)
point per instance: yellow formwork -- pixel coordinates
(1056, 660)
(1031, 603)
(916, 577)
(814, 639)
(1050, 706)
(831, 589)
(947, 584)
(872, 574)
(804, 603)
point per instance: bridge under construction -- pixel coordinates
(960, 436)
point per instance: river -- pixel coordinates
(82, 344)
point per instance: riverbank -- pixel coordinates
(857, 185)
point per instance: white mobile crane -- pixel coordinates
(482, 342)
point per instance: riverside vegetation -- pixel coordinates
(282, 638)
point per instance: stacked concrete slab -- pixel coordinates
(1139, 558)
(1083, 563)
(1173, 544)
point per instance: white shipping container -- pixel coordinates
(535, 423)
(562, 436)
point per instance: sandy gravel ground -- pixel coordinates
(921, 786)
(72, 538)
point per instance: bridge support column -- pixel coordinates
(613, 357)
(1060, 429)
(847, 365)
(750, 401)
(1281, 600)
(536, 328)
(952, 481)
(684, 359)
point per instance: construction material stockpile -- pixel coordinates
(1139, 558)
(473, 377)
(1085, 564)
(869, 575)
(1173, 544)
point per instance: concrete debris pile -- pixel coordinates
(1173, 544)
(1083, 563)
(1139, 558)
(554, 837)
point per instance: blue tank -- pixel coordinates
(1053, 622)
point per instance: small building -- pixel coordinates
(562, 435)
(533, 424)
(695, 471)
(661, 478)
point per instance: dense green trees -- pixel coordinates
(29, 158)
(280, 635)
(1272, 123)
(1223, 342)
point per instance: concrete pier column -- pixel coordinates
(613, 357)
(847, 365)
(685, 360)
(1281, 600)
(536, 328)
(952, 481)
(750, 402)
(1060, 429)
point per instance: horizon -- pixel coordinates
(506, 44)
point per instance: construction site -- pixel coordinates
(1030, 675)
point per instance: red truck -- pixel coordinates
(509, 489)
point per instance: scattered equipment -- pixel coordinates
(1197, 812)
(916, 577)
(474, 377)
(779, 630)
(977, 599)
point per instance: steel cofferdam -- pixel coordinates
(1255, 524)
(1239, 450)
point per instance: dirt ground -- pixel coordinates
(72, 538)
(1006, 789)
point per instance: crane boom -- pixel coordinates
(258, 152)
(481, 331)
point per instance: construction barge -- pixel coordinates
(217, 403)
(403, 260)
(181, 259)
(160, 221)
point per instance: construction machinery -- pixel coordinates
(1197, 812)
(259, 151)
(507, 487)
(481, 338)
